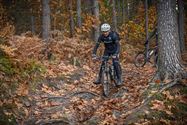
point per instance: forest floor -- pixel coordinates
(74, 99)
(65, 94)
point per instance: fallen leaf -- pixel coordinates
(158, 105)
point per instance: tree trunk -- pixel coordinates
(88, 6)
(132, 7)
(96, 14)
(114, 15)
(128, 9)
(62, 18)
(32, 22)
(181, 25)
(79, 21)
(123, 11)
(46, 23)
(168, 40)
(146, 23)
(71, 18)
(119, 19)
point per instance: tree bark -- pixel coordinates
(71, 18)
(32, 22)
(123, 11)
(181, 25)
(168, 40)
(119, 19)
(96, 23)
(146, 24)
(88, 6)
(79, 21)
(46, 22)
(128, 9)
(114, 15)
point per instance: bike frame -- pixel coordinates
(149, 53)
(108, 74)
(108, 69)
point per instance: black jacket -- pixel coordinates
(111, 43)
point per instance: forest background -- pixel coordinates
(45, 50)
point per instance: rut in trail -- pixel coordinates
(74, 99)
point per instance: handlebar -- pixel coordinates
(102, 58)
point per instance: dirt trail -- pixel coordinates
(76, 100)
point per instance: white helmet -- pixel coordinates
(105, 27)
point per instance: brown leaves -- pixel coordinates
(8, 50)
(26, 47)
(23, 89)
(46, 89)
(160, 106)
(82, 110)
(7, 30)
(168, 95)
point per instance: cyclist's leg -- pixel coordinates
(117, 68)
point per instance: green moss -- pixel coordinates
(159, 97)
(33, 71)
(151, 90)
(183, 90)
(6, 65)
(180, 111)
(6, 119)
(145, 94)
(169, 102)
(182, 106)
(34, 67)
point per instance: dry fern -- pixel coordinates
(7, 50)
(7, 31)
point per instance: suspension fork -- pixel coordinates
(111, 72)
(105, 71)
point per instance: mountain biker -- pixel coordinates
(112, 48)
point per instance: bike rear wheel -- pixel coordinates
(140, 59)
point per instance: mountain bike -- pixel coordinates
(108, 74)
(148, 55)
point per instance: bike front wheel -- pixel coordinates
(140, 60)
(105, 82)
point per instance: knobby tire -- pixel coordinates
(140, 59)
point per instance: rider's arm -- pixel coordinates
(116, 39)
(118, 47)
(96, 46)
